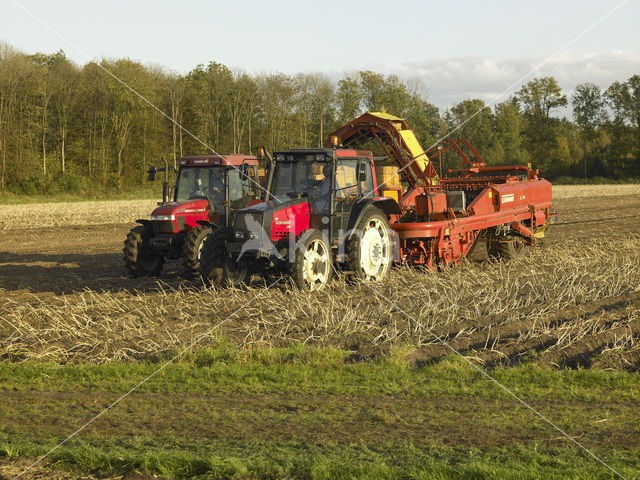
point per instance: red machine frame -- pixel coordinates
(514, 208)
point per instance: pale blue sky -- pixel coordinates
(458, 49)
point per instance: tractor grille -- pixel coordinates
(163, 227)
(280, 235)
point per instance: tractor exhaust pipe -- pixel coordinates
(165, 185)
(264, 153)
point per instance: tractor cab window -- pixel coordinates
(202, 182)
(346, 179)
(366, 184)
(298, 173)
(239, 191)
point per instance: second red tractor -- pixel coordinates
(208, 192)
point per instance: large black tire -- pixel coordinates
(370, 247)
(139, 258)
(217, 267)
(503, 247)
(313, 264)
(192, 249)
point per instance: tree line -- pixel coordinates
(65, 127)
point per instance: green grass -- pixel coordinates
(266, 460)
(302, 369)
(309, 413)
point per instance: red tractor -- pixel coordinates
(320, 212)
(327, 210)
(209, 190)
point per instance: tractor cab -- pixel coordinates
(330, 181)
(210, 188)
(320, 199)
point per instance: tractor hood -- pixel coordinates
(183, 207)
(179, 217)
(273, 220)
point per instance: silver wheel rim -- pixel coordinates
(315, 266)
(375, 250)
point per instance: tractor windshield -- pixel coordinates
(300, 173)
(200, 183)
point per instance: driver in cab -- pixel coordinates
(320, 193)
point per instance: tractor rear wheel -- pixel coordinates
(369, 250)
(139, 258)
(217, 267)
(503, 247)
(313, 264)
(192, 249)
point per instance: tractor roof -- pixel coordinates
(339, 152)
(235, 159)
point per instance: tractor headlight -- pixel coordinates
(163, 218)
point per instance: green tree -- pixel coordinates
(242, 98)
(387, 94)
(349, 99)
(472, 120)
(45, 86)
(65, 96)
(538, 99)
(588, 106)
(208, 89)
(508, 141)
(619, 155)
(633, 109)
(277, 119)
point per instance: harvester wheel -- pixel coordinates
(370, 248)
(313, 264)
(216, 265)
(192, 249)
(503, 247)
(139, 258)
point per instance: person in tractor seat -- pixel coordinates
(320, 193)
(216, 193)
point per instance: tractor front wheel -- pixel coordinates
(192, 249)
(139, 258)
(313, 262)
(217, 267)
(370, 248)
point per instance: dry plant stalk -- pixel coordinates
(547, 301)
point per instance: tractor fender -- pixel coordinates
(144, 222)
(206, 223)
(387, 205)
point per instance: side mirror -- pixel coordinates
(362, 172)
(152, 173)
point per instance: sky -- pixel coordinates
(457, 49)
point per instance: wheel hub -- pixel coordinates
(315, 266)
(373, 249)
